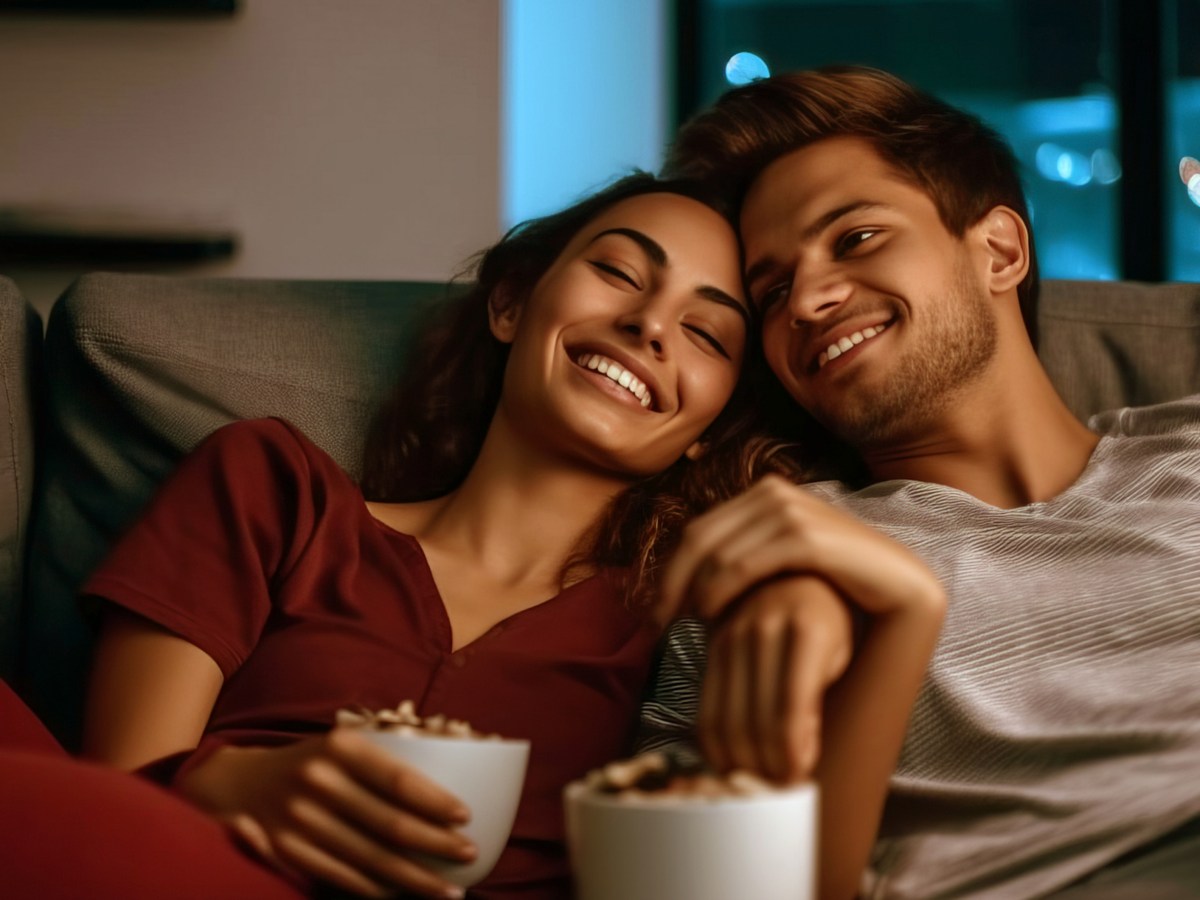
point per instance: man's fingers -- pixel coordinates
(773, 649)
(710, 722)
(798, 736)
(738, 723)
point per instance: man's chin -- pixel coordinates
(884, 420)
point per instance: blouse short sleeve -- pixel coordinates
(225, 526)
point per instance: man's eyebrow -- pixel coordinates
(812, 231)
(652, 248)
(658, 256)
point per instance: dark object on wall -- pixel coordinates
(30, 235)
(121, 7)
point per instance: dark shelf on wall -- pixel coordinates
(121, 7)
(43, 236)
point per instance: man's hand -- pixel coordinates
(770, 663)
(336, 808)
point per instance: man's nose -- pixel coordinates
(816, 294)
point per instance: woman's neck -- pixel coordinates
(520, 514)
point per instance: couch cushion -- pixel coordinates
(1119, 343)
(20, 344)
(143, 368)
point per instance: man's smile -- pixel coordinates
(843, 342)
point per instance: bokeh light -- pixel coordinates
(745, 67)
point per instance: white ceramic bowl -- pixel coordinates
(761, 846)
(487, 775)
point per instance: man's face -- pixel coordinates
(874, 315)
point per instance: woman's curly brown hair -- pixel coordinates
(428, 434)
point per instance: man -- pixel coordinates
(1056, 739)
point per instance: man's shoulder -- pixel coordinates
(1175, 417)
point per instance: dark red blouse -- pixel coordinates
(260, 550)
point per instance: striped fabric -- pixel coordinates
(1059, 726)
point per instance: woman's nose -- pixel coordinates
(645, 323)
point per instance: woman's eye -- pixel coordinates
(855, 239)
(616, 272)
(704, 335)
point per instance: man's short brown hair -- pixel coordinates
(963, 165)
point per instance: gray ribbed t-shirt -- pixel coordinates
(1059, 725)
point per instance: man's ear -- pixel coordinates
(1005, 240)
(504, 313)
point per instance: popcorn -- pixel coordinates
(404, 720)
(652, 776)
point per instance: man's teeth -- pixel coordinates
(833, 351)
(623, 377)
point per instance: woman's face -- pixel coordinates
(632, 341)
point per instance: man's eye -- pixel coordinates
(773, 295)
(850, 242)
(615, 272)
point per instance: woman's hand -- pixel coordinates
(779, 528)
(335, 808)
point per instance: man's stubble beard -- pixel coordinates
(959, 340)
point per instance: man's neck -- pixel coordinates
(1007, 439)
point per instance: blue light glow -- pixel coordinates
(575, 113)
(1189, 174)
(745, 67)
(1106, 168)
(1057, 163)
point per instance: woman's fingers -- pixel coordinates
(702, 536)
(398, 824)
(337, 851)
(391, 779)
(335, 808)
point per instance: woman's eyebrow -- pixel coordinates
(651, 247)
(658, 256)
(708, 292)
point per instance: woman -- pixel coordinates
(558, 429)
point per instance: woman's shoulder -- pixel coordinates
(274, 444)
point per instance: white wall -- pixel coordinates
(348, 139)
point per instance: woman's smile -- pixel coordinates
(614, 378)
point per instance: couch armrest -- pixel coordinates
(139, 369)
(20, 345)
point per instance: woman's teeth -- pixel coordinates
(623, 377)
(833, 351)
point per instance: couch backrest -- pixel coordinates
(140, 369)
(20, 343)
(1107, 344)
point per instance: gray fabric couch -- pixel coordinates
(136, 369)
